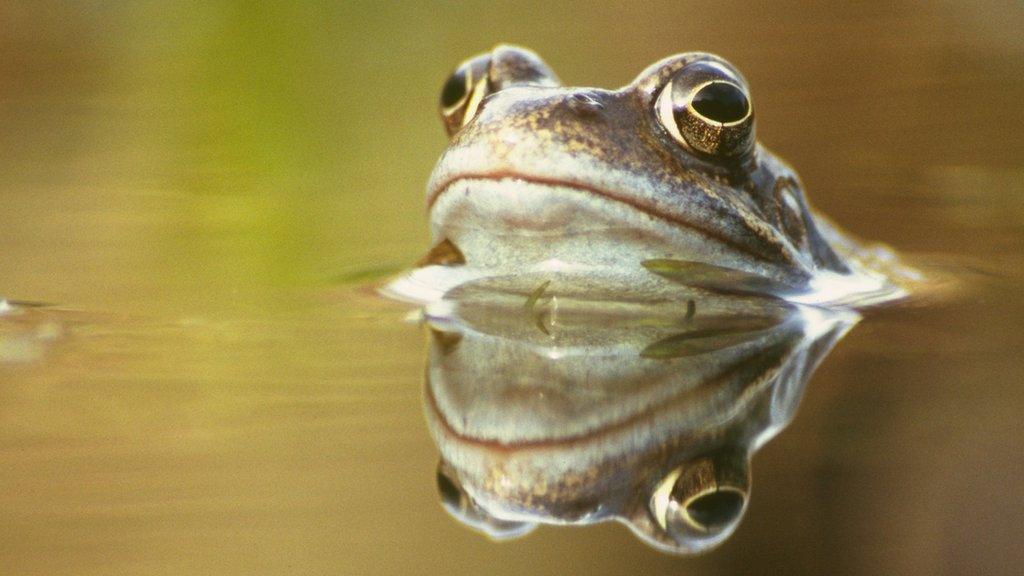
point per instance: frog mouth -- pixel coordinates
(519, 188)
(509, 222)
(512, 177)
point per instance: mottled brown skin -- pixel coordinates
(741, 196)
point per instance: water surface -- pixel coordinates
(198, 195)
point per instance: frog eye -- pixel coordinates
(706, 108)
(702, 501)
(463, 91)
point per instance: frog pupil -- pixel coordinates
(721, 102)
(716, 510)
(454, 89)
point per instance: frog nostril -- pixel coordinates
(585, 104)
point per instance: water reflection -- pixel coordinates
(548, 408)
(27, 330)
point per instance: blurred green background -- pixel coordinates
(189, 182)
(198, 148)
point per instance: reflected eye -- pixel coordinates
(463, 91)
(705, 107)
(702, 501)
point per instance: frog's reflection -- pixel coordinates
(551, 410)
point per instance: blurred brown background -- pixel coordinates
(188, 181)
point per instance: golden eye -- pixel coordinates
(463, 91)
(704, 499)
(706, 108)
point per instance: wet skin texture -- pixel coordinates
(645, 171)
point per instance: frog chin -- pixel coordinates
(511, 224)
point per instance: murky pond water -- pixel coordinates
(201, 198)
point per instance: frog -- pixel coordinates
(662, 180)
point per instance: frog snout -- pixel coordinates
(584, 103)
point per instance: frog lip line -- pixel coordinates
(436, 191)
(706, 391)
